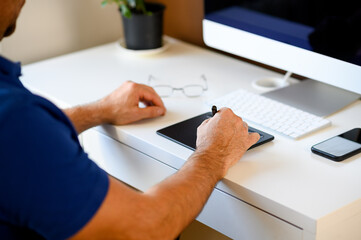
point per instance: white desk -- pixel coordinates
(277, 191)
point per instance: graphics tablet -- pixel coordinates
(185, 133)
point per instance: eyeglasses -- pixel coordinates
(191, 90)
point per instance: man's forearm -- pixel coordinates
(181, 197)
(85, 117)
(161, 212)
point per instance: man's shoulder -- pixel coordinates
(14, 100)
(25, 116)
(42, 161)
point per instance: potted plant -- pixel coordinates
(142, 23)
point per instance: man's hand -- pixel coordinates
(122, 106)
(225, 137)
(118, 108)
(164, 210)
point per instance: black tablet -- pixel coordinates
(185, 133)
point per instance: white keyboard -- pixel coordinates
(270, 114)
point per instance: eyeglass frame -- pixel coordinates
(204, 88)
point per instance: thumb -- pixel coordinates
(152, 111)
(253, 138)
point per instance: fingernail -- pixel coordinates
(160, 111)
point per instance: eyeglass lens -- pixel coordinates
(193, 90)
(164, 91)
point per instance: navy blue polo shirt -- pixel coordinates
(49, 188)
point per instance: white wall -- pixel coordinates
(48, 28)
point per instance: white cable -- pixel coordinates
(287, 77)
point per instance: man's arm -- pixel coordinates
(118, 108)
(166, 209)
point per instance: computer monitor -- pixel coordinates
(317, 39)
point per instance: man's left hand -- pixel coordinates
(122, 105)
(118, 108)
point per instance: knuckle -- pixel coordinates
(228, 111)
(239, 122)
(131, 84)
(128, 82)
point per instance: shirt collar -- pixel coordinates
(9, 69)
(10, 72)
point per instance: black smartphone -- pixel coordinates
(340, 147)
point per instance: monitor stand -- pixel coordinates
(314, 97)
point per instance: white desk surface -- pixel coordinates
(282, 178)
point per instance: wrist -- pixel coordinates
(100, 112)
(85, 116)
(211, 162)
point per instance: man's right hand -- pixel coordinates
(165, 209)
(225, 137)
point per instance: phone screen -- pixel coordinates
(340, 147)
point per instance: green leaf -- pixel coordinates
(132, 3)
(125, 11)
(125, 6)
(104, 3)
(140, 6)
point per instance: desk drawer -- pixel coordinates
(239, 220)
(223, 212)
(124, 163)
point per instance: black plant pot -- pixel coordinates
(143, 31)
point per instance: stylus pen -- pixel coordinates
(214, 110)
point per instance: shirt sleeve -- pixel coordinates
(48, 182)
